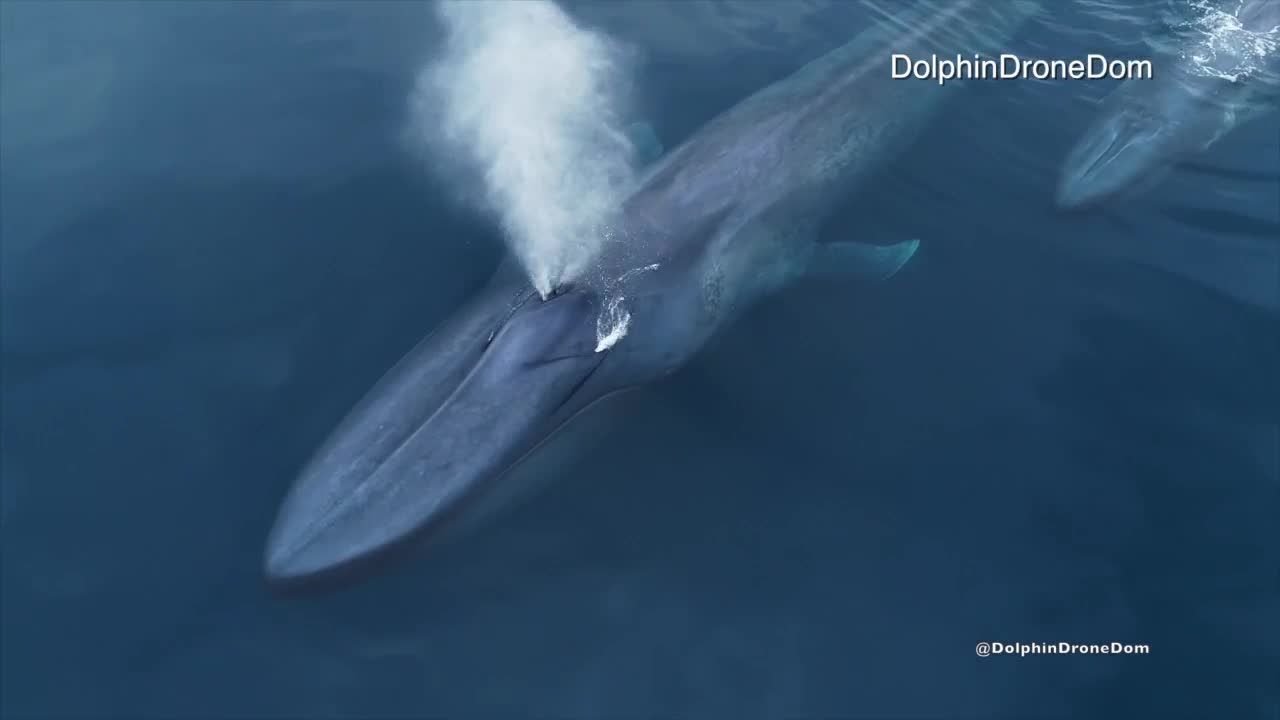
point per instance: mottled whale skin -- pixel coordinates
(1145, 126)
(723, 220)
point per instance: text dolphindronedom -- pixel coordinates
(1008, 66)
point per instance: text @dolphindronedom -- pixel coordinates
(987, 649)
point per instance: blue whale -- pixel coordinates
(725, 219)
(1224, 78)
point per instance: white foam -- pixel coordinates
(614, 320)
(613, 323)
(1223, 47)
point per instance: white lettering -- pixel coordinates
(1097, 66)
(894, 72)
(1008, 66)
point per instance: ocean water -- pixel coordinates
(1048, 428)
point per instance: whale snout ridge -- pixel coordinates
(442, 428)
(1119, 153)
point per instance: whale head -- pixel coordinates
(443, 428)
(452, 417)
(1146, 126)
(1123, 150)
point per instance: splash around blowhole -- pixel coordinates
(615, 319)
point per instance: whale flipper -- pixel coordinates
(646, 143)
(860, 260)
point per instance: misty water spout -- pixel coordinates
(526, 104)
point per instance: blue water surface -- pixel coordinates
(1050, 427)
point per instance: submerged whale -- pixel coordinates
(1227, 75)
(733, 214)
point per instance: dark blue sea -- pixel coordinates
(1049, 427)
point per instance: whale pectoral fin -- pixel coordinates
(860, 260)
(646, 143)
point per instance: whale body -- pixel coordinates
(1226, 75)
(730, 216)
